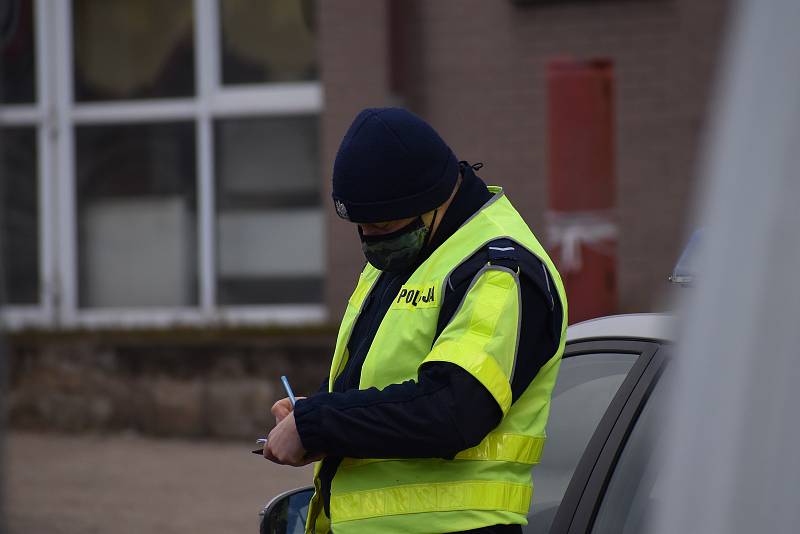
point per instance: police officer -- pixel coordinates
(440, 385)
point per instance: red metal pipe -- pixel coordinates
(582, 230)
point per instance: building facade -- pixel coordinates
(166, 165)
(477, 71)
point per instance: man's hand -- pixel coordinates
(284, 445)
(282, 408)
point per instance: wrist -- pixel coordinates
(308, 424)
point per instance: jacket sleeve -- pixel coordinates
(462, 391)
(445, 411)
(483, 336)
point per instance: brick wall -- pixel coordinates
(475, 70)
(353, 50)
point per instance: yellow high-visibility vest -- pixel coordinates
(487, 484)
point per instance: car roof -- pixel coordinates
(634, 325)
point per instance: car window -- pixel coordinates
(634, 488)
(584, 389)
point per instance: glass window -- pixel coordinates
(586, 384)
(141, 49)
(269, 217)
(267, 41)
(19, 245)
(17, 61)
(136, 199)
(636, 486)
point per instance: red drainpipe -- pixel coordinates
(581, 226)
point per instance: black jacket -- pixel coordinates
(446, 410)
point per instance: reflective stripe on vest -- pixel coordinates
(421, 498)
(495, 447)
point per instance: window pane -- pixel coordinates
(586, 384)
(19, 213)
(18, 59)
(267, 41)
(137, 216)
(269, 217)
(141, 49)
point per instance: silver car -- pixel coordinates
(595, 473)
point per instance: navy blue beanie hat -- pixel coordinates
(391, 165)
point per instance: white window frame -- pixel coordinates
(58, 115)
(39, 115)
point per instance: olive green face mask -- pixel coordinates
(396, 251)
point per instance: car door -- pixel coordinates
(599, 384)
(596, 381)
(636, 482)
(597, 500)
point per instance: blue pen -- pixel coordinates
(288, 389)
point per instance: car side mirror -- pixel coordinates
(286, 513)
(685, 271)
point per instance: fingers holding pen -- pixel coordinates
(282, 408)
(283, 444)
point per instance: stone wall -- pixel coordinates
(178, 383)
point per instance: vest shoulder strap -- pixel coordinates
(506, 253)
